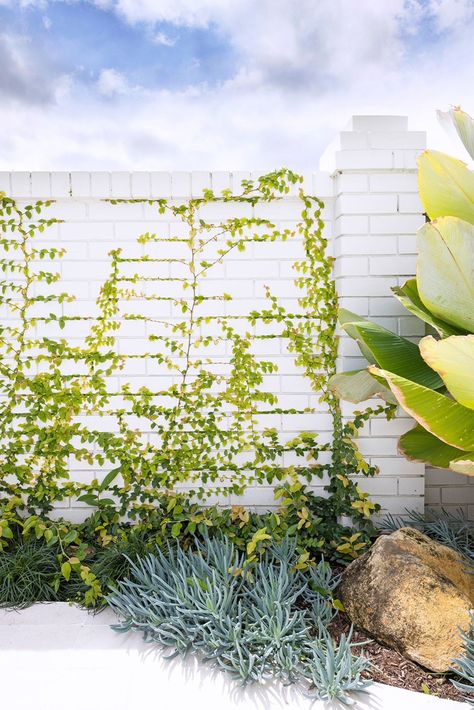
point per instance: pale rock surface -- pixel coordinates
(412, 594)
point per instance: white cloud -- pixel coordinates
(278, 37)
(22, 77)
(451, 14)
(189, 13)
(47, 23)
(111, 82)
(308, 43)
(163, 39)
(302, 68)
(25, 3)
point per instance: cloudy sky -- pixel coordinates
(219, 84)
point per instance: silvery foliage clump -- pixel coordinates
(448, 528)
(267, 621)
(321, 584)
(334, 670)
(464, 666)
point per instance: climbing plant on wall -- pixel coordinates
(200, 432)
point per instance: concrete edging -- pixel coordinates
(60, 657)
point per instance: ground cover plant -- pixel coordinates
(278, 558)
(464, 666)
(266, 620)
(27, 572)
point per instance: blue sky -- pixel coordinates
(218, 84)
(81, 38)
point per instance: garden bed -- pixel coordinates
(391, 668)
(279, 617)
(58, 655)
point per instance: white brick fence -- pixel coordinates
(372, 212)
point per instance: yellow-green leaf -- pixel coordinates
(175, 529)
(388, 350)
(337, 604)
(464, 125)
(446, 186)
(453, 360)
(445, 269)
(357, 386)
(420, 445)
(464, 464)
(410, 298)
(449, 421)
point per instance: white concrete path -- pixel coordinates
(59, 657)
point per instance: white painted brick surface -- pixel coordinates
(396, 181)
(21, 184)
(392, 265)
(347, 183)
(372, 212)
(350, 140)
(371, 244)
(160, 184)
(60, 184)
(223, 180)
(41, 184)
(409, 203)
(379, 123)
(100, 184)
(371, 159)
(397, 139)
(181, 184)
(366, 204)
(5, 184)
(80, 184)
(395, 223)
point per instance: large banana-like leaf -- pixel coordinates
(464, 125)
(410, 298)
(453, 360)
(464, 464)
(445, 271)
(388, 350)
(446, 186)
(449, 421)
(357, 386)
(419, 445)
(350, 322)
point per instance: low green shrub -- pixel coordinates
(89, 555)
(107, 564)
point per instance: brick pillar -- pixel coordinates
(377, 213)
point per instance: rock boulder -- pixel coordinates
(411, 594)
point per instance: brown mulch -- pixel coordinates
(391, 668)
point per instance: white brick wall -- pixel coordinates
(372, 213)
